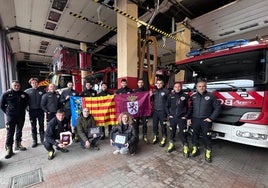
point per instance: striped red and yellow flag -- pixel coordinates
(102, 109)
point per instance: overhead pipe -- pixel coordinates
(141, 22)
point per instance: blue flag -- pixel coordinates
(76, 108)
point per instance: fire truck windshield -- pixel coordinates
(246, 69)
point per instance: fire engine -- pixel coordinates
(70, 65)
(237, 73)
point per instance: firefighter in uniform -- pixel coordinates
(143, 119)
(57, 125)
(204, 108)
(159, 97)
(65, 99)
(88, 91)
(124, 88)
(35, 111)
(14, 103)
(50, 102)
(65, 103)
(177, 105)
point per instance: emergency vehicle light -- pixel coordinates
(250, 116)
(256, 136)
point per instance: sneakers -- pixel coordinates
(155, 140)
(9, 152)
(195, 152)
(185, 151)
(163, 142)
(208, 156)
(170, 147)
(116, 152)
(51, 155)
(20, 147)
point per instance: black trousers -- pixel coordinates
(204, 127)
(182, 129)
(37, 114)
(48, 146)
(159, 117)
(14, 124)
(143, 120)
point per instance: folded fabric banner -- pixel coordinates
(101, 108)
(136, 104)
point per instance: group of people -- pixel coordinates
(180, 109)
(193, 113)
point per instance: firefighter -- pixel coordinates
(159, 97)
(50, 102)
(65, 99)
(104, 92)
(88, 91)
(143, 119)
(35, 111)
(177, 105)
(14, 103)
(124, 88)
(57, 125)
(204, 108)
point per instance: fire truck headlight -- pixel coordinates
(256, 136)
(250, 116)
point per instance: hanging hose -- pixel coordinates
(150, 41)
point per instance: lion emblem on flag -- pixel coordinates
(132, 105)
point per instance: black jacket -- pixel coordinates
(66, 103)
(54, 128)
(124, 90)
(159, 98)
(140, 89)
(126, 129)
(88, 93)
(50, 102)
(14, 103)
(177, 104)
(104, 93)
(204, 106)
(35, 96)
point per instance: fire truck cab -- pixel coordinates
(237, 73)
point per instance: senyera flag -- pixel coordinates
(136, 104)
(102, 109)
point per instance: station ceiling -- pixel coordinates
(35, 28)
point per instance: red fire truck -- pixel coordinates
(237, 73)
(68, 65)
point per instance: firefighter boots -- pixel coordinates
(155, 140)
(163, 142)
(145, 139)
(20, 147)
(195, 152)
(170, 147)
(51, 155)
(208, 155)
(186, 151)
(9, 152)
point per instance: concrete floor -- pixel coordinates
(234, 166)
